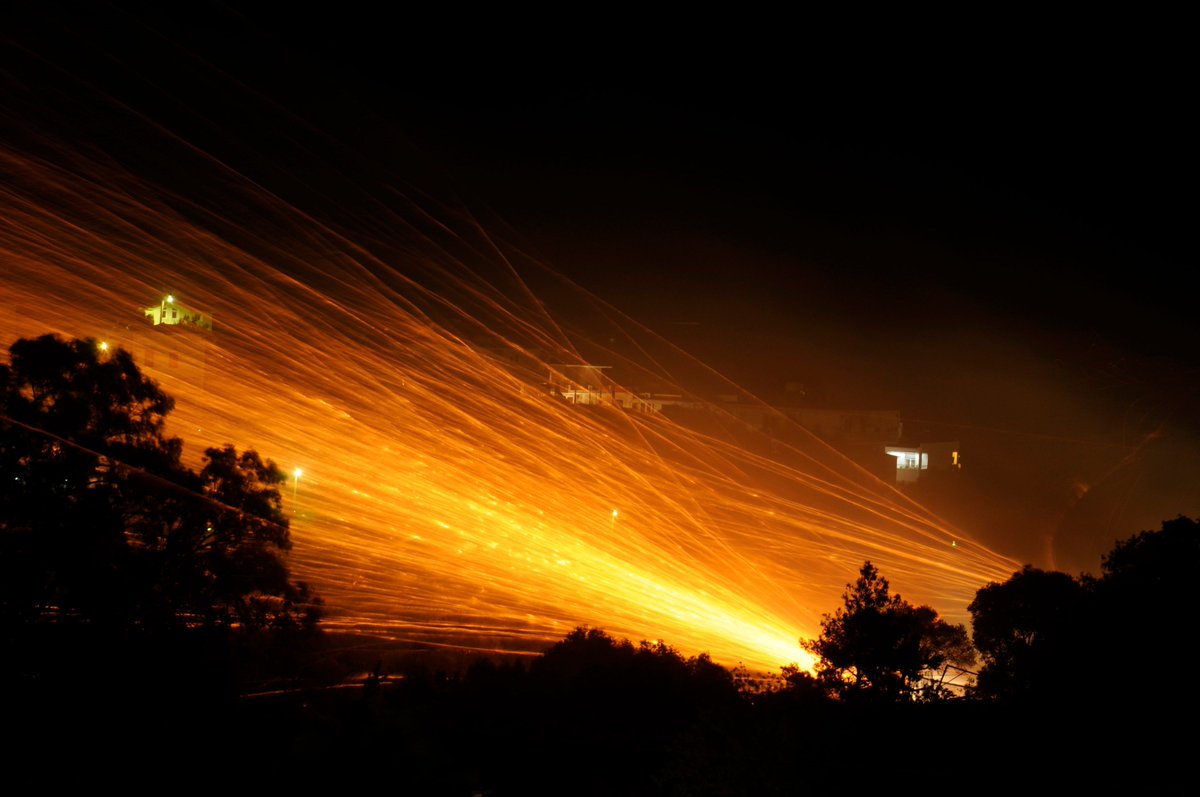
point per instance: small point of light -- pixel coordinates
(953, 543)
(298, 473)
(104, 345)
(170, 299)
(614, 513)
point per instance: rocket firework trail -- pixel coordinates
(458, 475)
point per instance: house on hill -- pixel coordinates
(174, 313)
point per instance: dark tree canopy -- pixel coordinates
(878, 646)
(596, 699)
(101, 524)
(1027, 630)
(1159, 563)
(1047, 637)
(590, 655)
(1146, 594)
(98, 401)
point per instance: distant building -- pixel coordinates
(870, 437)
(165, 348)
(588, 385)
(870, 427)
(169, 311)
(580, 383)
(912, 461)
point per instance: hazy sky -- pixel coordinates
(986, 231)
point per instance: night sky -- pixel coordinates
(981, 223)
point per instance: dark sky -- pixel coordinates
(736, 172)
(984, 223)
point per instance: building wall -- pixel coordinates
(174, 313)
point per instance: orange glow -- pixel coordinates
(448, 496)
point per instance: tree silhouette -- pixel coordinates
(1028, 629)
(601, 699)
(1146, 597)
(1156, 564)
(1105, 659)
(1048, 637)
(878, 646)
(100, 523)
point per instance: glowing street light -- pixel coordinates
(295, 485)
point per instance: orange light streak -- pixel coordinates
(446, 495)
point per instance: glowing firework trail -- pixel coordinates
(446, 494)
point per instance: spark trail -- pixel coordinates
(447, 495)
